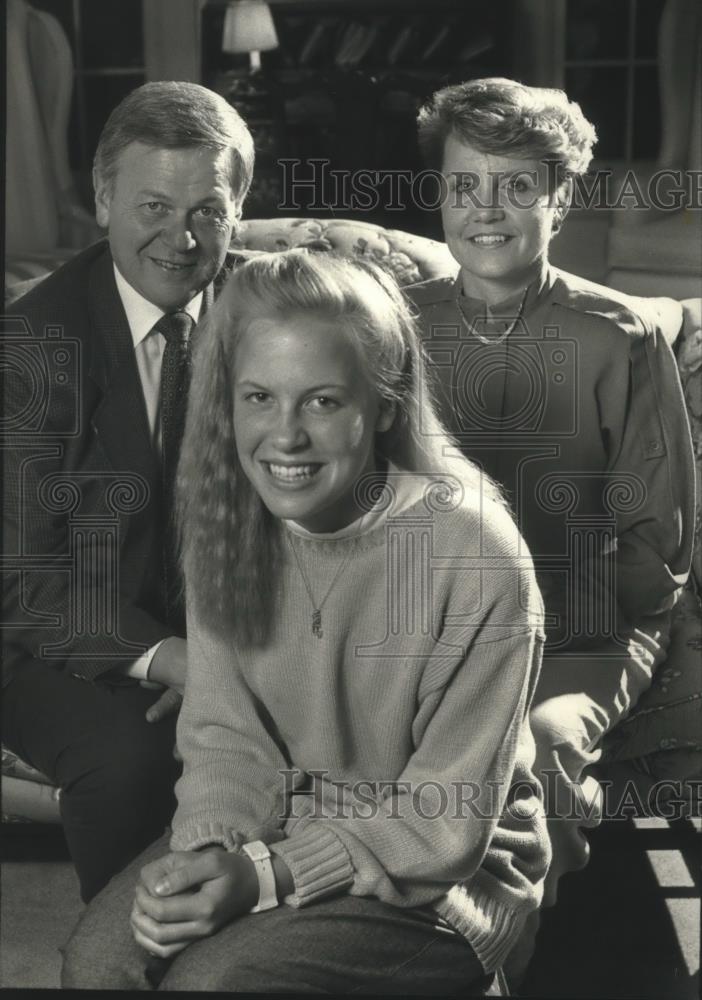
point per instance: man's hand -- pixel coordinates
(189, 895)
(167, 669)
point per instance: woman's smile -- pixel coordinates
(490, 241)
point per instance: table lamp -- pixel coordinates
(248, 27)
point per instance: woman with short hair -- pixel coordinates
(567, 394)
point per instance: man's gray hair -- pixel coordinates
(175, 115)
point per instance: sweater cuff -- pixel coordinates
(319, 864)
(196, 835)
(489, 926)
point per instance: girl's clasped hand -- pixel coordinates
(188, 895)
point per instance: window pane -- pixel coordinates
(112, 33)
(601, 92)
(647, 114)
(595, 30)
(648, 18)
(102, 94)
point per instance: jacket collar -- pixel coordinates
(120, 420)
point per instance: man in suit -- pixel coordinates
(99, 352)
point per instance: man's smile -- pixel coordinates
(170, 265)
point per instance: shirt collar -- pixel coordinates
(509, 308)
(142, 314)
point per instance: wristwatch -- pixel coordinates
(261, 857)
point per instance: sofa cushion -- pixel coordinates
(666, 244)
(27, 794)
(410, 258)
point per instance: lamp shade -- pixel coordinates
(248, 27)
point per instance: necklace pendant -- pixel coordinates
(317, 623)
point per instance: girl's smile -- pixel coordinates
(305, 418)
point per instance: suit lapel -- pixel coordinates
(120, 420)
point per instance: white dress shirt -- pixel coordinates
(149, 346)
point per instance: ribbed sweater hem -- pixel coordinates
(196, 835)
(489, 926)
(319, 864)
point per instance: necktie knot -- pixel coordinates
(176, 328)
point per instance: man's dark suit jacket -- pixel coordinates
(83, 526)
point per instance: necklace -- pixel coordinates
(318, 607)
(481, 336)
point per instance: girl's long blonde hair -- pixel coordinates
(231, 543)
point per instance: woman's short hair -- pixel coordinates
(507, 118)
(231, 543)
(173, 115)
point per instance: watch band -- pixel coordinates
(261, 857)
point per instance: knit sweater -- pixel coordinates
(391, 755)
